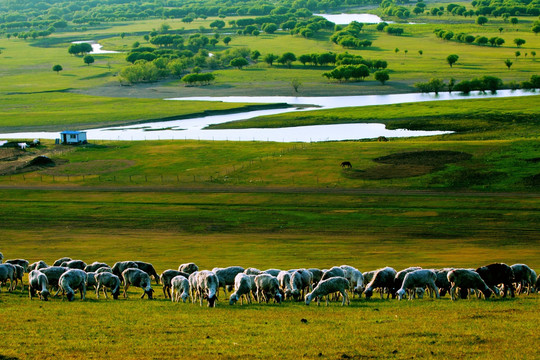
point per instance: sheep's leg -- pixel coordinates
(97, 290)
(452, 292)
(83, 292)
(126, 286)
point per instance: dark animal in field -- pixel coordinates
(149, 269)
(346, 164)
(495, 274)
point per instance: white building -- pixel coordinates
(73, 137)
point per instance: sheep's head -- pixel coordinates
(149, 292)
(487, 293)
(368, 293)
(211, 300)
(184, 296)
(277, 298)
(400, 294)
(420, 292)
(70, 296)
(233, 299)
(44, 295)
(116, 293)
(308, 299)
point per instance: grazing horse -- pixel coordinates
(346, 164)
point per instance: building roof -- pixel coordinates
(73, 132)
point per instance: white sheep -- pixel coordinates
(104, 269)
(61, 261)
(37, 265)
(317, 275)
(523, 277)
(91, 279)
(301, 280)
(166, 278)
(418, 279)
(467, 279)
(108, 280)
(382, 279)
(18, 275)
(193, 286)
(180, 288)
(119, 267)
(7, 272)
(267, 288)
(252, 271)
(53, 274)
(149, 269)
(139, 278)
(398, 279)
(242, 289)
(273, 272)
(227, 275)
(22, 262)
(333, 272)
(442, 280)
(284, 278)
(328, 287)
(74, 264)
(189, 268)
(93, 267)
(356, 279)
(37, 281)
(207, 287)
(71, 280)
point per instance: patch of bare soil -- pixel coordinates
(407, 164)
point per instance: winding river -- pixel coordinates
(195, 128)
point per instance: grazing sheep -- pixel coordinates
(108, 280)
(368, 276)
(333, 272)
(533, 281)
(301, 280)
(93, 267)
(442, 280)
(242, 289)
(418, 279)
(119, 267)
(207, 287)
(273, 272)
(91, 279)
(193, 286)
(22, 262)
(268, 288)
(180, 288)
(104, 269)
(166, 278)
(284, 278)
(7, 272)
(523, 277)
(189, 268)
(356, 279)
(498, 273)
(139, 278)
(398, 279)
(53, 274)
(467, 279)
(149, 269)
(226, 275)
(74, 264)
(60, 261)
(71, 280)
(19, 274)
(37, 281)
(317, 275)
(383, 279)
(328, 287)
(37, 265)
(252, 271)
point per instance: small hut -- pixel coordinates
(73, 137)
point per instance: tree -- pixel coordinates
(508, 63)
(451, 59)
(514, 21)
(123, 35)
(295, 83)
(382, 76)
(436, 85)
(500, 41)
(481, 20)
(518, 54)
(536, 29)
(227, 40)
(533, 53)
(501, 30)
(255, 54)
(270, 58)
(304, 59)
(421, 52)
(239, 62)
(218, 24)
(396, 50)
(88, 59)
(57, 68)
(287, 59)
(214, 42)
(519, 42)
(269, 28)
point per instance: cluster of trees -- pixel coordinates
(390, 29)
(350, 36)
(80, 49)
(495, 8)
(357, 68)
(482, 84)
(198, 79)
(393, 8)
(33, 34)
(471, 39)
(308, 28)
(346, 72)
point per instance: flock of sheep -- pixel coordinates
(188, 282)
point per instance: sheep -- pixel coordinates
(207, 287)
(368, 276)
(93, 267)
(22, 262)
(356, 279)
(119, 267)
(71, 280)
(18, 275)
(37, 265)
(442, 280)
(398, 279)
(498, 273)
(74, 264)
(273, 272)
(523, 277)
(108, 280)
(284, 278)
(267, 288)
(37, 281)
(384, 279)
(242, 289)
(60, 261)
(418, 279)
(149, 269)
(180, 288)
(327, 287)
(189, 268)
(7, 272)
(139, 278)
(226, 275)
(193, 286)
(104, 269)
(467, 279)
(252, 271)
(91, 279)
(317, 275)
(533, 281)
(53, 274)
(333, 272)
(166, 278)
(300, 281)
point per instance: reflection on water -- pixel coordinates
(96, 48)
